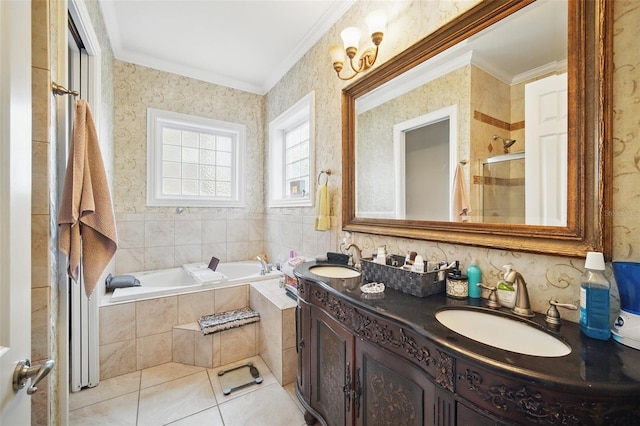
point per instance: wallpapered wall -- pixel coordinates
(547, 276)
(155, 238)
(292, 228)
(376, 144)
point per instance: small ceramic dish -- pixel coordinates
(372, 288)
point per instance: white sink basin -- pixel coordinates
(330, 271)
(502, 332)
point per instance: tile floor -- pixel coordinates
(178, 394)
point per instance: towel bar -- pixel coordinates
(61, 90)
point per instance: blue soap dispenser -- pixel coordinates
(474, 275)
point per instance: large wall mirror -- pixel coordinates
(492, 131)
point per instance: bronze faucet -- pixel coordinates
(522, 306)
(358, 252)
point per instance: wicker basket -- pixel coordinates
(420, 284)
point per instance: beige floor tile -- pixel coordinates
(185, 395)
(253, 407)
(265, 373)
(120, 411)
(175, 400)
(291, 389)
(106, 389)
(166, 372)
(209, 417)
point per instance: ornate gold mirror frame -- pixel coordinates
(589, 138)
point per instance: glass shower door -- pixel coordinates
(503, 189)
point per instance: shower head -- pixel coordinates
(506, 143)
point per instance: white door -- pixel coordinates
(546, 151)
(15, 205)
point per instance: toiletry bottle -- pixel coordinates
(457, 285)
(505, 291)
(594, 298)
(474, 275)
(381, 258)
(407, 262)
(418, 264)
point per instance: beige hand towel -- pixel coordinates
(323, 220)
(459, 198)
(86, 219)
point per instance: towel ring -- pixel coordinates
(326, 174)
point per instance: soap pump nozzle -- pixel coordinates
(507, 269)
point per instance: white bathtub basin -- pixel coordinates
(166, 282)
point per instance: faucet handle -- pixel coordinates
(553, 315)
(492, 301)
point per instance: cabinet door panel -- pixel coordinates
(303, 348)
(331, 363)
(389, 391)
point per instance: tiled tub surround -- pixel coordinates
(142, 334)
(276, 329)
(137, 335)
(159, 241)
(274, 336)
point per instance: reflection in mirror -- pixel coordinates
(491, 111)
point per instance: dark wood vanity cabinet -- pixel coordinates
(366, 363)
(345, 379)
(356, 383)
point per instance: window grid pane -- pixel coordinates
(198, 163)
(296, 160)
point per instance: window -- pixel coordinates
(291, 161)
(193, 161)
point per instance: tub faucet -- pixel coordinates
(266, 268)
(358, 254)
(522, 306)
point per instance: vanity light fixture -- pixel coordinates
(377, 21)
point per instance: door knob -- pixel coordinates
(24, 371)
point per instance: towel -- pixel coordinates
(86, 219)
(323, 221)
(460, 200)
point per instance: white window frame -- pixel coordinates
(301, 111)
(156, 119)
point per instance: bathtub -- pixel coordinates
(167, 282)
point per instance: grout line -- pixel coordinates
(139, 392)
(212, 389)
(174, 379)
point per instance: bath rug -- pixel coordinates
(227, 320)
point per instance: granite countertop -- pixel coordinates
(593, 366)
